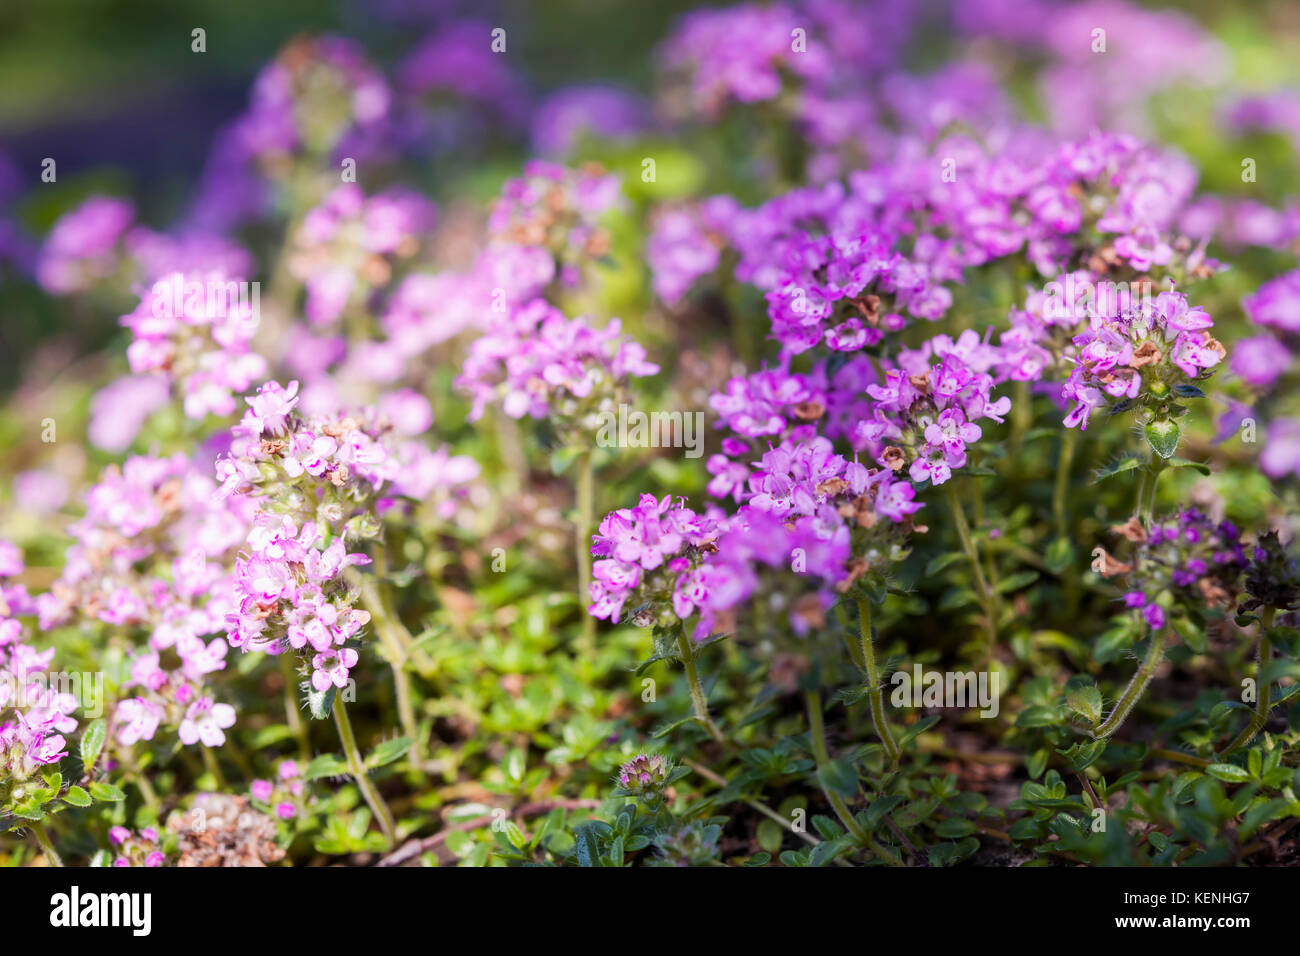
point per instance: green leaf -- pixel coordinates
(106, 791)
(270, 735)
(1087, 754)
(825, 853)
(1184, 463)
(1128, 463)
(516, 764)
(839, 777)
(1086, 702)
(957, 598)
(320, 704)
(1162, 435)
(762, 858)
(326, 765)
(1229, 773)
(77, 797)
(954, 828)
(771, 835)
(939, 562)
(585, 847)
(92, 742)
(1014, 582)
(387, 752)
(514, 835)
(1060, 555)
(1038, 716)
(1038, 762)
(918, 728)
(827, 828)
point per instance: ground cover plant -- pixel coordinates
(866, 436)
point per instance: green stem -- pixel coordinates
(397, 631)
(358, 767)
(973, 557)
(1133, 693)
(383, 617)
(822, 755)
(876, 693)
(582, 551)
(141, 781)
(1146, 503)
(888, 856)
(1064, 461)
(758, 805)
(1022, 416)
(698, 701)
(51, 855)
(214, 768)
(292, 716)
(1264, 703)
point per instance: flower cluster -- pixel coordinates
(739, 55)
(642, 552)
(686, 243)
(537, 362)
(285, 795)
(1188, 560)
(566, 117)
(644, 776)
(1148, 355)
(35, 711)
(1276, 305)
(308, 475)
(558, 209)
(85, 245)
(143, 848)
(345, 245)
(196, 331)
(462, 89)
(812, 518)
(1272, 579)
(317, 96)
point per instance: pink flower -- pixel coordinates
(205, 721)
(138, 719)
(332, 668)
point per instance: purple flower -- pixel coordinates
(564, 117)
(1281, 453)
(1260, 360)
(81, 248)
(1276, 304)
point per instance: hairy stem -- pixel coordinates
(872, 669)
(1146, 502)
(758, 805)
(986, 597)
(383, 617)
(1263, 703)
(292, 715)
(822, 755)
(210, 764)
(1137, 686)
(582, 551)
(142, 782)
(358, 768)
(397, 631)
(51, 855)
(698, 701)
(1063, 463)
